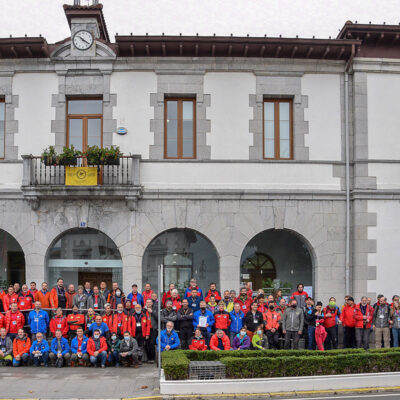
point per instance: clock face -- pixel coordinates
(83, 40)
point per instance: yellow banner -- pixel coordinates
(80, 176)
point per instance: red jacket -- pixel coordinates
(14, 321)
(176, 303)
(216, 293)
(119, 323)
(25, 301)
(21, 346)
(144, 324)
(146, 295)
(271, 319)
(107, 319)
(8, 300)
(2, 321)
(329, 322)
(263, 308)
(198, 344)
(244, 304)
(75, 321)
(91, 348)
(348, 316)
(70, 297)
(225, 341)
(222, 320)
(359, 316)
(59, 323)
(43, 298)
(167, 296)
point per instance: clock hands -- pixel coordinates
(84, 40)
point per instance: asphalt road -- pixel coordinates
(369, 396)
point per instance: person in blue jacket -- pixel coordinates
(101, 326)
(237, 318)
(135, 297)
(38, 320)
(194, 300)
(193, 285)
(40, 351)
(198, 319)
(60, 352)
(169, 338)
(79, 348)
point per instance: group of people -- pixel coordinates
(101, 326)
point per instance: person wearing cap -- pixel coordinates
(311, 315)
(349, 323)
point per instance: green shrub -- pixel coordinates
(282, 363)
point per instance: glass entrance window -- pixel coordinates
(185, 254)
(12, 261)
(82, 255)
(85, 123)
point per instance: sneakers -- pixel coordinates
(103, 366)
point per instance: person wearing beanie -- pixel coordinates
(348, 318)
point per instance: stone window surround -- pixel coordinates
(180, 84)
(75, 84)
(11, 125)
(278, 86)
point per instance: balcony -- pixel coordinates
(114, 182)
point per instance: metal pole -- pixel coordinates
(347, 251)
(160, 271)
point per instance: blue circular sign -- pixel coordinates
(122, 131)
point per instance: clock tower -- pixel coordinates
(87, 25)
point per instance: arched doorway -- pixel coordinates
(185, 254)
(277, 258)
(12, 260)
(84, 255)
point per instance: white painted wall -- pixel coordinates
(10, 175)
(323, 115)
(387, 175)
(186, 175)
(34, 113)
(133, 110)
(387, 235)
(229, 114)
(383, 116)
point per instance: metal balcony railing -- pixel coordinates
(37, 173)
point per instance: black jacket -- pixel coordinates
(185, 318)
(252, 322)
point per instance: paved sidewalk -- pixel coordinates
(81, 383)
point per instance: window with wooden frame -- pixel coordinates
(278, 129)
(2, 128)
(180, 128)
(84, 122)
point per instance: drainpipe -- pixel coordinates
(347, 156)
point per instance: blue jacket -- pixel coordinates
(38, 322)
(171, 340)
(236, 321)
(103, 328)
(210, 319)
(194, 305)
(64, 346)
(43, 346)
(139, 297)
(74, 345)
(188, 293)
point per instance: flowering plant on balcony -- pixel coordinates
(69, 156)
(93, 155)
(49, 156)
(111, 156)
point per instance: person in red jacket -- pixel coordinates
(262, 306)
(75, 321)
(272, 322)
(331, 312)
(2, 320)
(364, 315)
(33, 290)
(213, 291)
(107, 317)
(244, 301)
(59, 323)
(220, 341)
(198, 341)
(222, 318)
(9, 298)
(97, 349)
(139, 327)
(25, 299)
(349, 322)
(167, 295)
(147, 292)
(176, 300)
(300, 296)
(14, 320)
(120, 322)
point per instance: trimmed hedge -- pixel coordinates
(281, 363)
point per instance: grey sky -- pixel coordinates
(305, 18)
